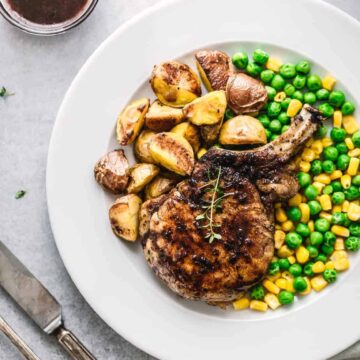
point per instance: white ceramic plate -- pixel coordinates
(111, 274)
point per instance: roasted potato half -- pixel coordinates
(210, 133)
(112, 171)
(140, 176)
(159, 186)
(242, 130)
(162, 117)
(173, 152)
(214, 68)
(131, 120)
(189, 132)
(175, 84)
(124, 217)
(141, 147)
(206, 110)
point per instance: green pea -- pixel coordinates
(337, 134)
(275, 126)
(348, 108)
(266, 76)
(322, 94)
(299, 81)
(268, 134)
(285, 128)
(331, 153)
(328, 166)
(321, 132)
(285, 297)
(338, 218)
(294, 214)
(352, 193)
(316, 168)
(316, 238)
(278, 82)
(229, 114)
(283, 118)
(308, 271)
(343, 162)
(354, 229)
(273, 137)
(321, 257)
(322, 225)
(337, 185)
(330, 275)
(293, 240)
(310, 98)
(313, 251)
(304, 179)
(336, 98)
(338, 198)
(289, 89)
(341, 148)
(303, 230)
(284, 264)
(295, 269)
(314, 82)
(298, 95)
(288, 71)
(274, 110)
(327, 249)
(240, 60)
(300, 284)
(260, 56)
(257, 292)
(329, 238)
(347, 221)
(326, 109)
(274, 268)
(311, 192)
(271, 92)
(285, 103)
(303, 67)
(314, 207)
(356, 138)
(356, 180)
(328, 190)
(352, 243)
(264, 119)
(253, 69)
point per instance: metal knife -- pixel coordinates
(38, 303)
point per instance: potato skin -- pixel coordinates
(112, 171)
(162, 117)
(140, 176)
(124, 217)
(242, 130)
(175, 84)
(173, 152)
(131, 120)
(159, 186)
(141, 148)
(190, 133)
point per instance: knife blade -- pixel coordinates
(31, 295)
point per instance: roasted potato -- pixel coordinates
(242, 130)
(140, 176)
(173, 152)
(189, 132)
(210, 133)
(162, 117)
(175, 84)
(245, 95)
(159, 186)
(112, 171)
(131, 120)
(206, 110)
(124, 217)
(141, 147)
(214, 68)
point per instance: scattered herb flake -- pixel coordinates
(4, 92)
(19, 194)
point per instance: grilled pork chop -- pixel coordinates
(176, 239)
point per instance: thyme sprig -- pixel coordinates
(4, 92)
(212, 206)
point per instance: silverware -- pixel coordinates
(38, 303)
(16, 340)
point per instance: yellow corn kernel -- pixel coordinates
(338, 254)
(286, 275)
(279, 238)
(241, 304)
(287, 226)
(349, 144)
(280, 96)
(305, 212)
(345, 206)
(329, 265)
(325, 202)
(345, 181)
(354, 212)
(353, 166)
(280, 215)
(339, 244)
(337, 174)
(273, 278)
(308, 289)
(341, 264)
(356, 202)
(258, 305)
(318, 283)
(302, 255)
(297, 160)
(350, 125)
(277, 227)
(295, 106)
(337, 119)
(284, 252)
(340, 230)
(325, 215)
(328, 82)
(304, 166)
(308, 155)
(309, 142)
(319, 186)
(311, 225)
(292, 259)
(354, 153)
(326, 141)
(295, 200)
(336, 208)
(271, 287)
(273, 64)
(290, 286)
(318, 267)
(201, 152)
(323, 178)
(317, 147)
(304, 199)
(281, 283)
(272, 301)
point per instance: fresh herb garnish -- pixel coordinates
(19, 194)
(4, 92)
(207, 217)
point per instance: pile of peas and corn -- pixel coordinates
(317, 227)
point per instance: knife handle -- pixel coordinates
(72, 345)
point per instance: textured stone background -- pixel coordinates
(40, 70)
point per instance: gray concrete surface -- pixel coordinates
(40, 70)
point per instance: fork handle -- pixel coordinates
(16, 340)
